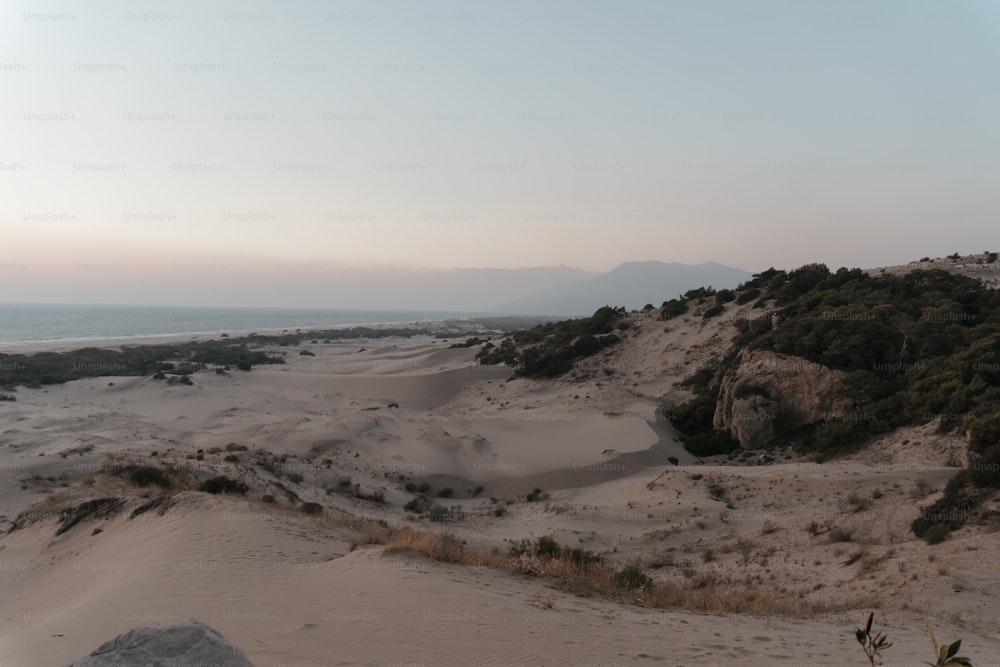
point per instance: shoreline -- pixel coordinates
(203, 336)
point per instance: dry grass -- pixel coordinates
(445, 548)
(585, 578)
(545, 601)
(873, 564)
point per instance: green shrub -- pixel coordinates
(148, 476)
(222, 484)
(717, 309)
(673, 308)
(416, 505)
(549, 350)
(312, 508)
(949, 513)
(699, 293)
(724, 296)
(841, 535)
(746, 296)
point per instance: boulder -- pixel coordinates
(189, 642)
(765, 390)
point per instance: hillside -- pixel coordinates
(827, 363)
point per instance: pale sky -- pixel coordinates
(471, 134)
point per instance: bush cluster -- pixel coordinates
(549, 350)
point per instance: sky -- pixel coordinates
(241, 143)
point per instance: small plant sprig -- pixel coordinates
(872, 645)
(946, 655)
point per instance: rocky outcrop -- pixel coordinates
(189, 642)
(765, 390)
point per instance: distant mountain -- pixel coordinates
(632, 284)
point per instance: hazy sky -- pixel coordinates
(505, 134)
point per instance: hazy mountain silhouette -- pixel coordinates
(632, 284)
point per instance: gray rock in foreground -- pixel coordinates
(189, 642)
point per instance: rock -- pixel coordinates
(765, 390)
(189, 642)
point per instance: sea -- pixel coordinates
(28, 323)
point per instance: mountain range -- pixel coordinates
(632, 284)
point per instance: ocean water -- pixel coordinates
(22, 323)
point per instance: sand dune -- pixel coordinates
(294, 589)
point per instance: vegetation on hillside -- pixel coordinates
(549, 350)
(917, 347)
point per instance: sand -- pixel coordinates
(292, 589)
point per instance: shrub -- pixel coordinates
(269, 499)
(717, 309)
(441, 513)
(446, 492)
(375, 497)
(312, 508)
(724, 296)
(222, 484)
(747, 296)
(306, 353)
(233, 447)
(948, 514)
(841, 535)
(673, 308)
(244, 365)
(416, 505)
(632, 578)
(699, 293)
(231, 458)
(694, 421)
(148, 476)
(936, 533)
